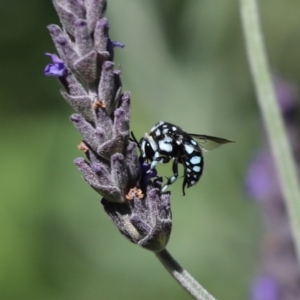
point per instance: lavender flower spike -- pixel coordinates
(93, 88)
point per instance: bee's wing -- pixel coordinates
(207, 142)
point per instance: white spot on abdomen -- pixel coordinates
(196, 168)
(189, 149)
(195, 160)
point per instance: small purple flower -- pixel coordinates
(112, 44)
(56, 68)
(265, 288)
(287, 95)
(261, 179)
(147, 174)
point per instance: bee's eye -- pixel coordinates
(149, 150)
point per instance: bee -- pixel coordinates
(167, 141)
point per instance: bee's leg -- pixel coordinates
(184, 185)
(158, 159)
(173, 178)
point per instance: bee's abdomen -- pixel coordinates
(193, 164)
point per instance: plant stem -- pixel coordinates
(183, 277)
(267, 99)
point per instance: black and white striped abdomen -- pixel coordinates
(192, 162)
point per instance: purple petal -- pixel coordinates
(145, 175)
(265, 288)
(56, 68)
(261, 180)
(287, 95)
(112, 44)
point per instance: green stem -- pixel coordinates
(183, 277)
(267, 99)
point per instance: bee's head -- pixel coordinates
(148, 147)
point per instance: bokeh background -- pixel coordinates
(184, 62)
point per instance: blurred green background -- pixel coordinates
(185, 63)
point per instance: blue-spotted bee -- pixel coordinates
(167, 141)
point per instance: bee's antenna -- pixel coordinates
(133, 139)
